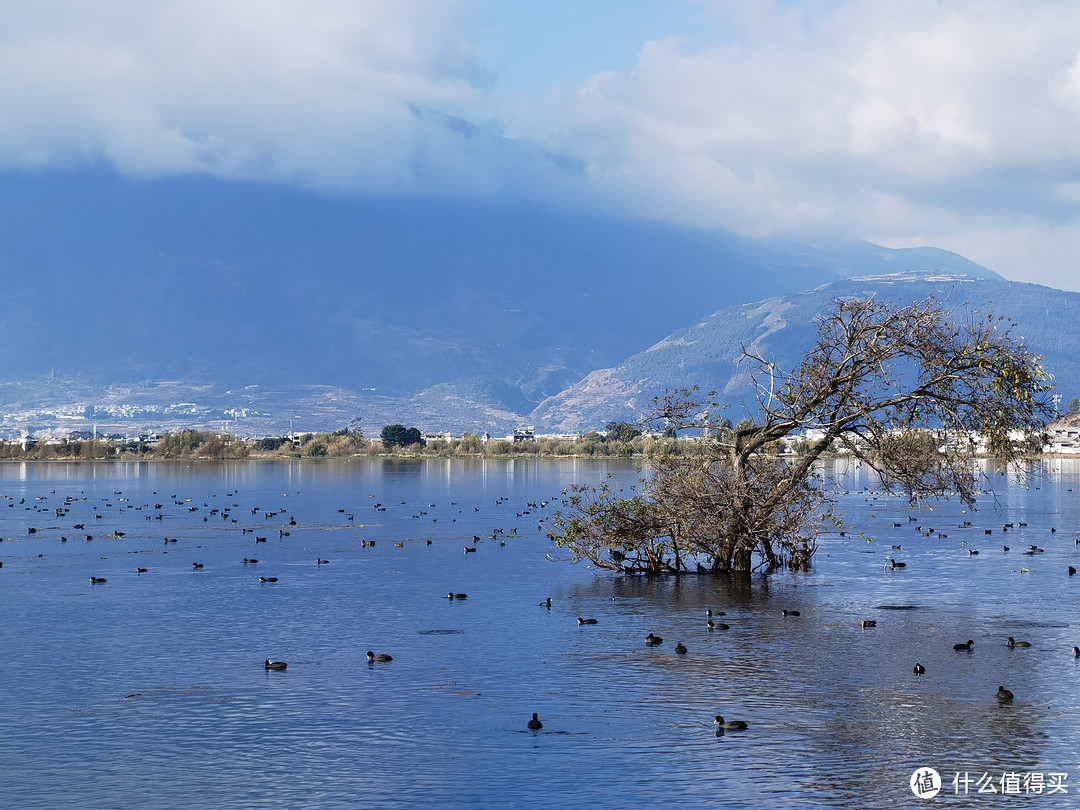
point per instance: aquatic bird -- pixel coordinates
(717, 625)
(267, 579)
(965, 646)
(469, 550)
(452, 596)
(711, 613)
(791, 613)
(869, 623)
(919, 669)
(1071, 570)
(1076, 652)
(1004, 694)
(546, 603)
(321, 561)
(1011, 642)
(680, 649)
(277, 666)
(535, 724)
(372, 657)
(248, 561)
(96, 580)
(973, 551)
(140, 570)
(652, 640)
(729, 725)
(196, 565)
(586, 621)
(896, 564)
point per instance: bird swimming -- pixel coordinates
(680, 649)
(1011, 642)
(372, 657)
(730, 725)
(965, 646)
(791, 613)
(716, 625)
(919, 669)
(652, 640)
(586, 621)
(535, 724)
(277, 666)
(452, 596)
(1004, 694)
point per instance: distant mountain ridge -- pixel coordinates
(273, 307)
(708, 354)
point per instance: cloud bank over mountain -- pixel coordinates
(950, 124)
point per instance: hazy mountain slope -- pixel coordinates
(708, 353)
(191, 279)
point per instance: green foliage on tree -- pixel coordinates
(398, 435)
(902, 388)
(270, 443)
(621, 432)
(355, 429)
(315, 448)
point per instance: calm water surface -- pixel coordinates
(149, 690)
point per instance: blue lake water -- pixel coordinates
(149, 690)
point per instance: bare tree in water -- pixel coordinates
(904, 389)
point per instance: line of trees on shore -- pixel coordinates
(620, 440)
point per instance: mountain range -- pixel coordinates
(162, 303)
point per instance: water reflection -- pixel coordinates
(151, 690)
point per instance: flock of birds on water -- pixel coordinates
(156, 512)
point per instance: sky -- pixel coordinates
(949, 123)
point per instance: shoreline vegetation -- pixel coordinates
(200, 444)
(208, 445)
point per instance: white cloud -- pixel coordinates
(952, 123)
(865, 118)
(315, 93)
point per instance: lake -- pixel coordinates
(149, 690)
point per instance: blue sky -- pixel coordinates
(904, 122)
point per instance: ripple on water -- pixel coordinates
(152, 688)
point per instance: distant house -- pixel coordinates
(526, 434)
(297, 438)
